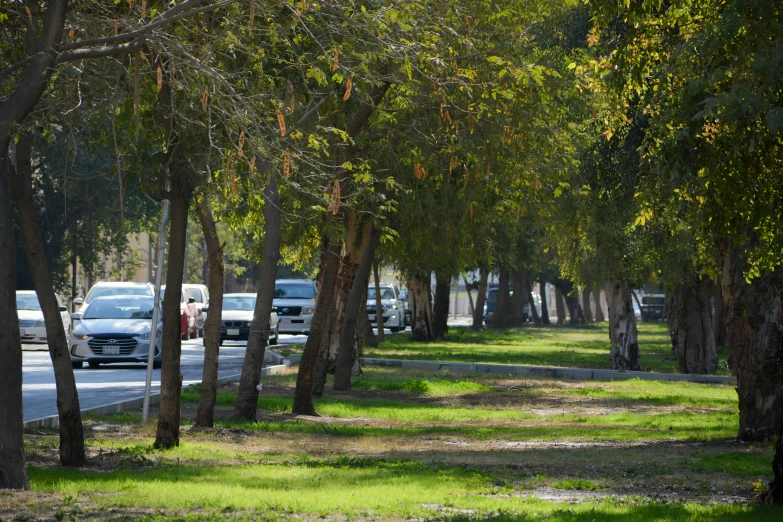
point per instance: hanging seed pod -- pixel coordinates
(348, 87)
(292, 104)
(453, 163)
(71, 33)
(143, 9)
(205, 99)
(471, 211)
(537, 183)
(29, 14)
(252, 164)
(280, 121)
(471, 123)
(335, 60)
(116, 28)
(160, 78)
(334, 205)
(286, 164)
(252, 15)
(417, 170)
(241, 143)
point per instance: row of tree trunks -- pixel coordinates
(440, 309)
(622, 328)
(481, 299)
(691, 330)
(246, 405)
(205, 416)
(355, 308)
(420, 308)
(599, 309)
(519, 298)
(560, 306)
(12, 464)
(500, 317)
(544, 305)
(69, 413)
(586, 308)
(329, 266)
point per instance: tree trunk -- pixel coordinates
(544, 305)
(71, 432)
(356, 302)
(205, 415)
(481, 298)
(599, 310)
(622, 328)
(440, 310)
(776, 487)
(247, 395)
(323, 361)
(519, 297)
(561, 306)
(500, 317)
(695, 346)
(330, 265)
(588, 313)
(673, 318)
(368, 336)
(533, 310)
(12, 464)
(718, 321)
(419, 305)
(754, 322)
(167, 433)
(378, 307)
(574, 310)
(470, 295)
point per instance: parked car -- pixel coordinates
(201, 295)
(114, 329)
(238, 314)
(405, 306)
(653, 301)
(115, 288)
(295, 303)
(187, 311)
(32, 328)
(393, 307)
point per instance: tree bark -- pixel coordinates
(205, 416)
(500, 317)
(574, 310)
(718, 321)
(599, 310)
(330, 265)
(481, 299)
(533, 310)
(368, 336)
(69, 413)
(167, 432)
(12, 463)
(378, 307)
(356, 301)
(247, 395)
(622, 328)
(544, 305)
(776, 487)
(561, 306)
(440, 310)
(754, 322)
(471, 307)
(588, 313)
(419, 305)
(519, 297)
(694, 341)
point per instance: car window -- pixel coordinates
(119, 309)
(239, 303)
(386, 293)
(114, 290)
(181, 297)
(195, 293)
(27, 302)
(492, 295)
(294, 291)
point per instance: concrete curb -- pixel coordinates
(552, 372)
(134, 404)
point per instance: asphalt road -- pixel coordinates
(116, 382)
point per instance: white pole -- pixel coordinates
(161, 255)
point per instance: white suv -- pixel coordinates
(295, 303)
(201, 295)
(104, 288)
(393, 307)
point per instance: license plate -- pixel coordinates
(111, 350)
(233, 331)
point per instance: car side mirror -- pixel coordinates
(78, 301)
(191, 300)
(77, 316)
(63, 308)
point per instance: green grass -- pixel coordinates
(570, 346)
(578, 484)
(751, 464)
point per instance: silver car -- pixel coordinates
(392, 304)
(32, 328)
(295, 303)
(114, 329)
(238, 311)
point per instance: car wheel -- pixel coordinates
(394, 329)
(156, 364)
(77, 364)
(94, 364)
(186, 337)
(204, 341)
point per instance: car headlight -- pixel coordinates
(308, 309)
(146, 336)
(79, 336)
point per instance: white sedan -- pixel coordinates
(32, 327)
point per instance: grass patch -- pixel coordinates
(578, 484)
(750, 464)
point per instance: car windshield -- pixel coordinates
(27, 302)
(294, 291)
(119, 309)
(195, 293)
(163, 294)
(236, 302)
(116, 290)
(492, 295)
(386, 293)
